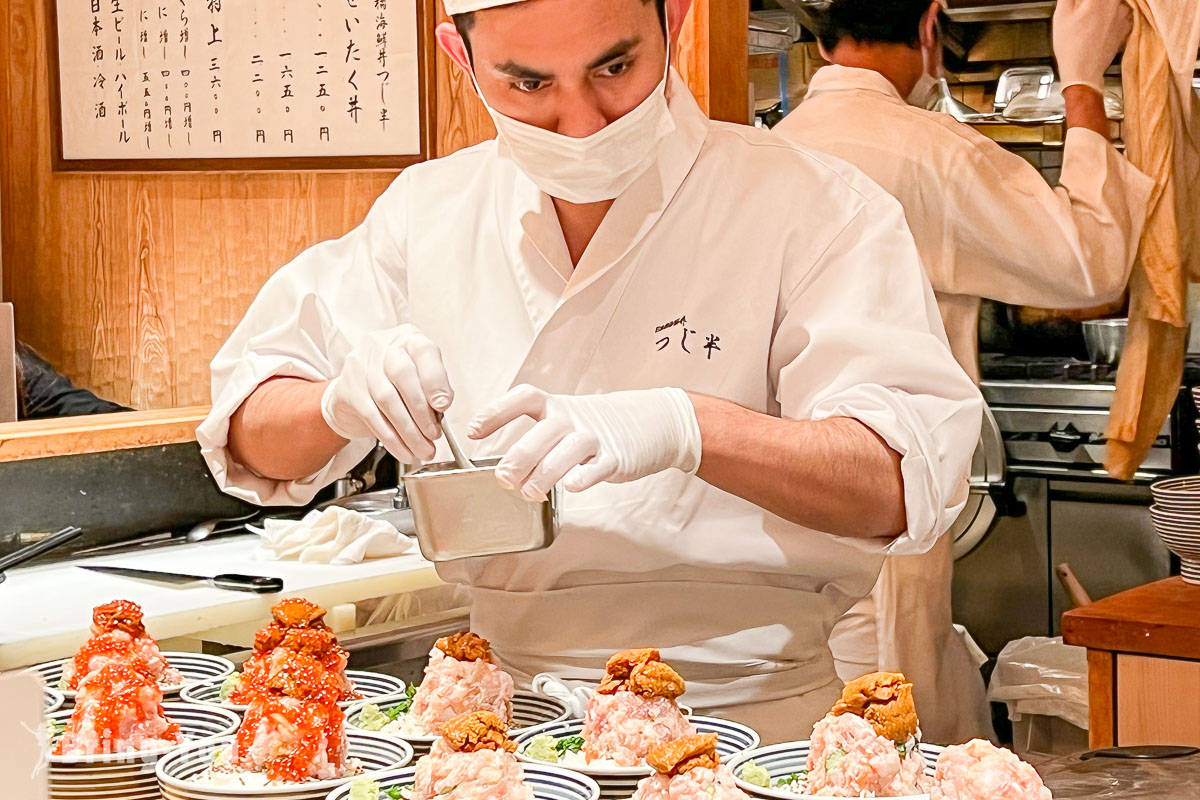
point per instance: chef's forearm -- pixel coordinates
(834, 475)
(279, 433)
(1085, 109)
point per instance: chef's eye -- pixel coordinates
(529, 86)
(615, 69)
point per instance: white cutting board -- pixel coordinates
(22, 737)
(45, 611)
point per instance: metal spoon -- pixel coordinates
(459, 459)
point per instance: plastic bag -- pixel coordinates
(1041, 675)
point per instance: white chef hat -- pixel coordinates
(465, 6)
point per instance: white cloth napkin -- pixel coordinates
(552, 686)
(334, 535)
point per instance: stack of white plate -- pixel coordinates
(791, 758)
(1176, 515)
(177, 772)
(530, 710)
(130, 776)
(195, 667)
(619, 783)
(373, 686)
(548, 783)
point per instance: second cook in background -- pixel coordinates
(723, 345)
(987, 224)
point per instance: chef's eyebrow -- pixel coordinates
(521, 72)
(619, 49)
(514, 70)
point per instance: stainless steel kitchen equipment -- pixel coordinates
(256, 584)
(1051, 414)
(1105, 339)
(464, 513)
(1013, 81)
(32, 551)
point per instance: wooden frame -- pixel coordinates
(427, 81)
(98, 433)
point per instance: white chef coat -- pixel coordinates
(814, 308)
(987, 225)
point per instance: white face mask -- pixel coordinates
(593, 168)
(923, 93)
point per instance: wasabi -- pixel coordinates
(364, 789)
(543, 748)
(370, 718)
(755, 775)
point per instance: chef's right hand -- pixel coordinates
(1088, 34)
(391, 388)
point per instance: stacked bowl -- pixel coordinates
(130, 776)
(1176, 515)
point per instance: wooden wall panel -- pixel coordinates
(129, 283)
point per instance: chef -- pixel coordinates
(723, 346)
(987, 225)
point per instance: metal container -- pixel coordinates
(464, 513)
(1105, 338)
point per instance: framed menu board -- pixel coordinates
(149, 85)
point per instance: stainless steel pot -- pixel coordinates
(1105, 338)
(464, 513)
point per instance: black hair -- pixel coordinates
(464, 22)
(889, 21)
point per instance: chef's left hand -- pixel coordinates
(587, 439)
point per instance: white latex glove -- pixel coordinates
(1088, 34)
(586, 439)
(390, 388)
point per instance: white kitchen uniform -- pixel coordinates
(736, 266)
(987, 225)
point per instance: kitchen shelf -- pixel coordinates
(1012, 12)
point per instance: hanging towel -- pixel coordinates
(1162, 139)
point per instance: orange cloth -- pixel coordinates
(1162, 139)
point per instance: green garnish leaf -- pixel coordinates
(795, 779)
(571, 743)
(402, 706)
(397, 792)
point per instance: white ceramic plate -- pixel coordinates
(195, 667)
(130, 776)
(782, 760)
(548, 783)
(375, 753)
(530, 710)
(620, 782)
(374, 687)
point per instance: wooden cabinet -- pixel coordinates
(1143, 664)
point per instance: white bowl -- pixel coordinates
(130, 776)
(375, 687)
(1183, 488)
(195, 667)
(530, 710)
(548, 783)
(376, 754)
(1181, 535)
(618, 783)
(781, 760)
